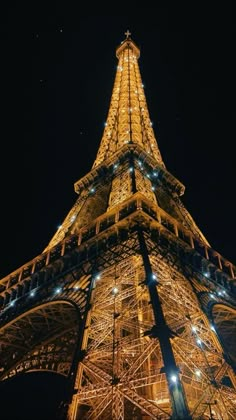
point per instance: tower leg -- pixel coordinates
(71, 405)
(162, 332)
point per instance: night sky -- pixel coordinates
(58, 68)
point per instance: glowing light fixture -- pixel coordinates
(115, 290)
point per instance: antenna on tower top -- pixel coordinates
(127, 33)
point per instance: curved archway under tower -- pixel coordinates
(43, 338)
(38, 348)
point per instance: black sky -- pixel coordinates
(58, 68)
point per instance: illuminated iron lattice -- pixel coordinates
(128, 300)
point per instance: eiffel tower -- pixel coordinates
(128, 301)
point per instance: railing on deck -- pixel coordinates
(15, 281)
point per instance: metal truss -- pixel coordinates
(123, 350)
(120, 370)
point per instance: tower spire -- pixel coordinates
(128, 159)
(128, 120)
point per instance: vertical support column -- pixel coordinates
(133, 180)
(117, 405)
(117, 397)
(163, 333)
(68, 408)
